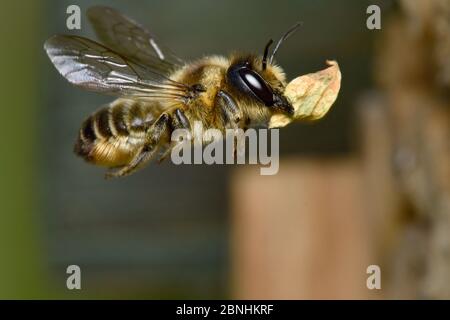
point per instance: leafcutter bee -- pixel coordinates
(157, 92)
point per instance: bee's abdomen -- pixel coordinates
(111, 136)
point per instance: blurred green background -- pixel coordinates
(164, 232)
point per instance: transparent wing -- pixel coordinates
(130, 39)
(94, 67)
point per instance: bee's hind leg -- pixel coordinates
(179, 121)
(148, 150)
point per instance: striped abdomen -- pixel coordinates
(113, 134)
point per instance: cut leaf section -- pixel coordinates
(311, 95)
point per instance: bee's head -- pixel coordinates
(261, 79)
(263, 86)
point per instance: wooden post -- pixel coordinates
(300, 234)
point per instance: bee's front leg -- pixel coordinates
(230, 109)
(233, 116)
(148, 150)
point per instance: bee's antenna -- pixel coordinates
(266, 52)
(284, 37)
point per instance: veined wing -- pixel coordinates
(92, 66)
(130, 39)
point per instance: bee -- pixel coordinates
(157, 92)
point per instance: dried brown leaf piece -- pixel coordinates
(311, 95)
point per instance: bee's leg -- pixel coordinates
(148, 150)
(230, 109)
(179, 121)
(232, 114)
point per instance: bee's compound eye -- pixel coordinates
(249, 81)
(257, 85)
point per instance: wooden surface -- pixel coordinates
(301, 234)
(412, 69)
